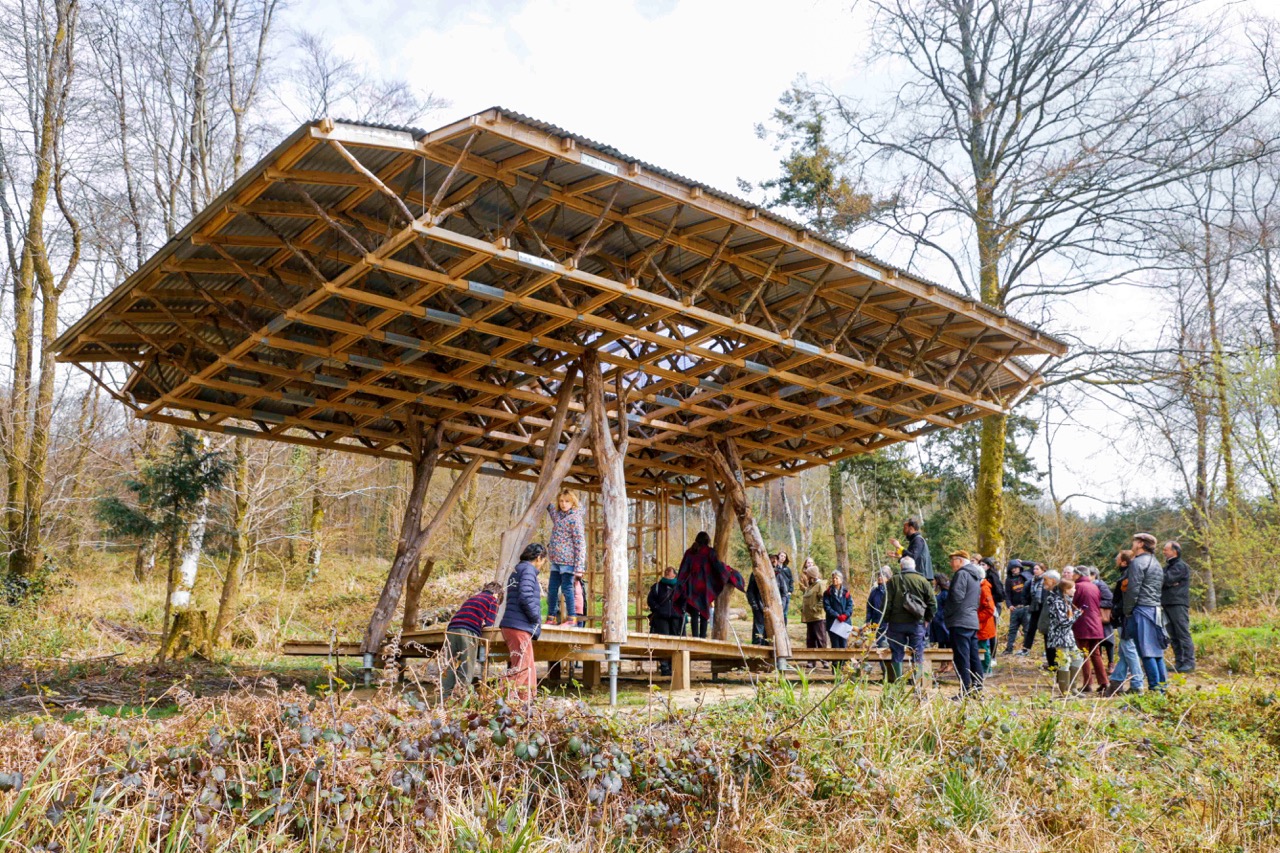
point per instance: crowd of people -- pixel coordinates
(1098, 637)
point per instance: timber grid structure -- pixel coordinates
(502, 296)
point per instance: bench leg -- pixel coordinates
(591, 674)
(680, 670)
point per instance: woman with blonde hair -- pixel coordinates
(568, 552)
(811, 609)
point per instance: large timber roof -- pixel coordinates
(362, 282)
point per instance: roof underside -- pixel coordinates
(362, 283)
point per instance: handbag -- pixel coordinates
(1106, 615)
(913, 605)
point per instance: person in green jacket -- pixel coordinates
(907, 589)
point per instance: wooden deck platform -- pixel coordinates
(563, 643)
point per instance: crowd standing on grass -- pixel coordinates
(1098, 638)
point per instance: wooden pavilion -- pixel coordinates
(503, 296)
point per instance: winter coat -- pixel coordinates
(938, 632)
(962, 604)
(1176, 591)
(1146, 577)
(1117, 600)
(754, 599)
(986, 611)
(786, 581)
(895, 602)
(1087, 600)
(1106, 601)
(1035, 594)
(1060, 619)
(918, 550)
(837, 602)
(662, 597)
(997, 587)
(1017, 589)
(811, 610)
(568, 544)
(875, 605)
(701, 579)
(524, 600)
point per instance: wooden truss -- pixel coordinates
(362, 286)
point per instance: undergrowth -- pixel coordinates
(817, 767)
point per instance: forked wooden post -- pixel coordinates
(724, 454)
(414, 536)
(610, 455)
(556, 462)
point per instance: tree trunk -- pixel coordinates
(189, 637)
(189, 568)
(610, 458)
(413, 594)
(170, 582)
(239, 544)
(724, 530)
(990, 490)
(839, 527)
(315, 529)
(725, 457)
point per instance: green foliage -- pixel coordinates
(951, 456)
(814, 180)
(166, 491)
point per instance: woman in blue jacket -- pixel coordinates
(838, 604)
(522, 621)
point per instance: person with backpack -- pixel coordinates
(664, 617)
(463, 634)
(908, 609)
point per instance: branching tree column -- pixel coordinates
(724, 455)
(413, 535)
(724, 529)
(610, 454)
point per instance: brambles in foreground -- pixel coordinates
(865, 769)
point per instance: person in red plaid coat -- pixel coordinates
(701, 579)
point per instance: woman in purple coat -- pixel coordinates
(1088, 630)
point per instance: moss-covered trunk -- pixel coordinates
(990, 485)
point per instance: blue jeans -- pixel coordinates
(967, 657)
(1129, 666)
(1156, 673)
(561, 581)
(900, 635)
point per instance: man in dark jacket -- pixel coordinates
(664, 616)
(961, 615)
(905, 627)
(1017, 594)
(1175, 596)
(916, 548)
(1035, 600)
(756, 602)
(786, 580)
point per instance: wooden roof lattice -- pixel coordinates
(362, 282)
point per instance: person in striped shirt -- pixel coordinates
(463, 634)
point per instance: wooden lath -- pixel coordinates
(362, 283)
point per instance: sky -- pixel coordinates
(683, 84)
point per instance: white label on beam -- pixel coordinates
(599, 165)
(379, 136)
(868, 270)
(535, 261)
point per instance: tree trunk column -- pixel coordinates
(610, 456)
(724, 455)
(720, 540)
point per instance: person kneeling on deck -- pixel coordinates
(522, 621)
(664, 617)
(909, 607)
(811, 610)
(463, 633)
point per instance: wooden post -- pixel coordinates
(680, 670)
(724, 455)
(724, 528)
(555, 465)
(610, 455)
(413, 537)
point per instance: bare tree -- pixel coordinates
(1026, 141)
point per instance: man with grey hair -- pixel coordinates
(916, 548)
(1175, 597)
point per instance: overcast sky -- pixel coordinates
(682, 84)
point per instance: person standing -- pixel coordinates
(916, 548)
(909, 608)
(1142, 610)
(756, 602)
(938, 633)
(522, 621)
(1017, 592)
(1059, 616)
(1128, 669)
(961, 616)
(837, 603)
(1088, 630)
(986, 626)
(1106, 605)
(463, 633)
(664, 617)
(701, 579)
(786, 581)
(1175, 597)
(568, 551)
(875, 601)
(1035, 600)
(811, 612)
